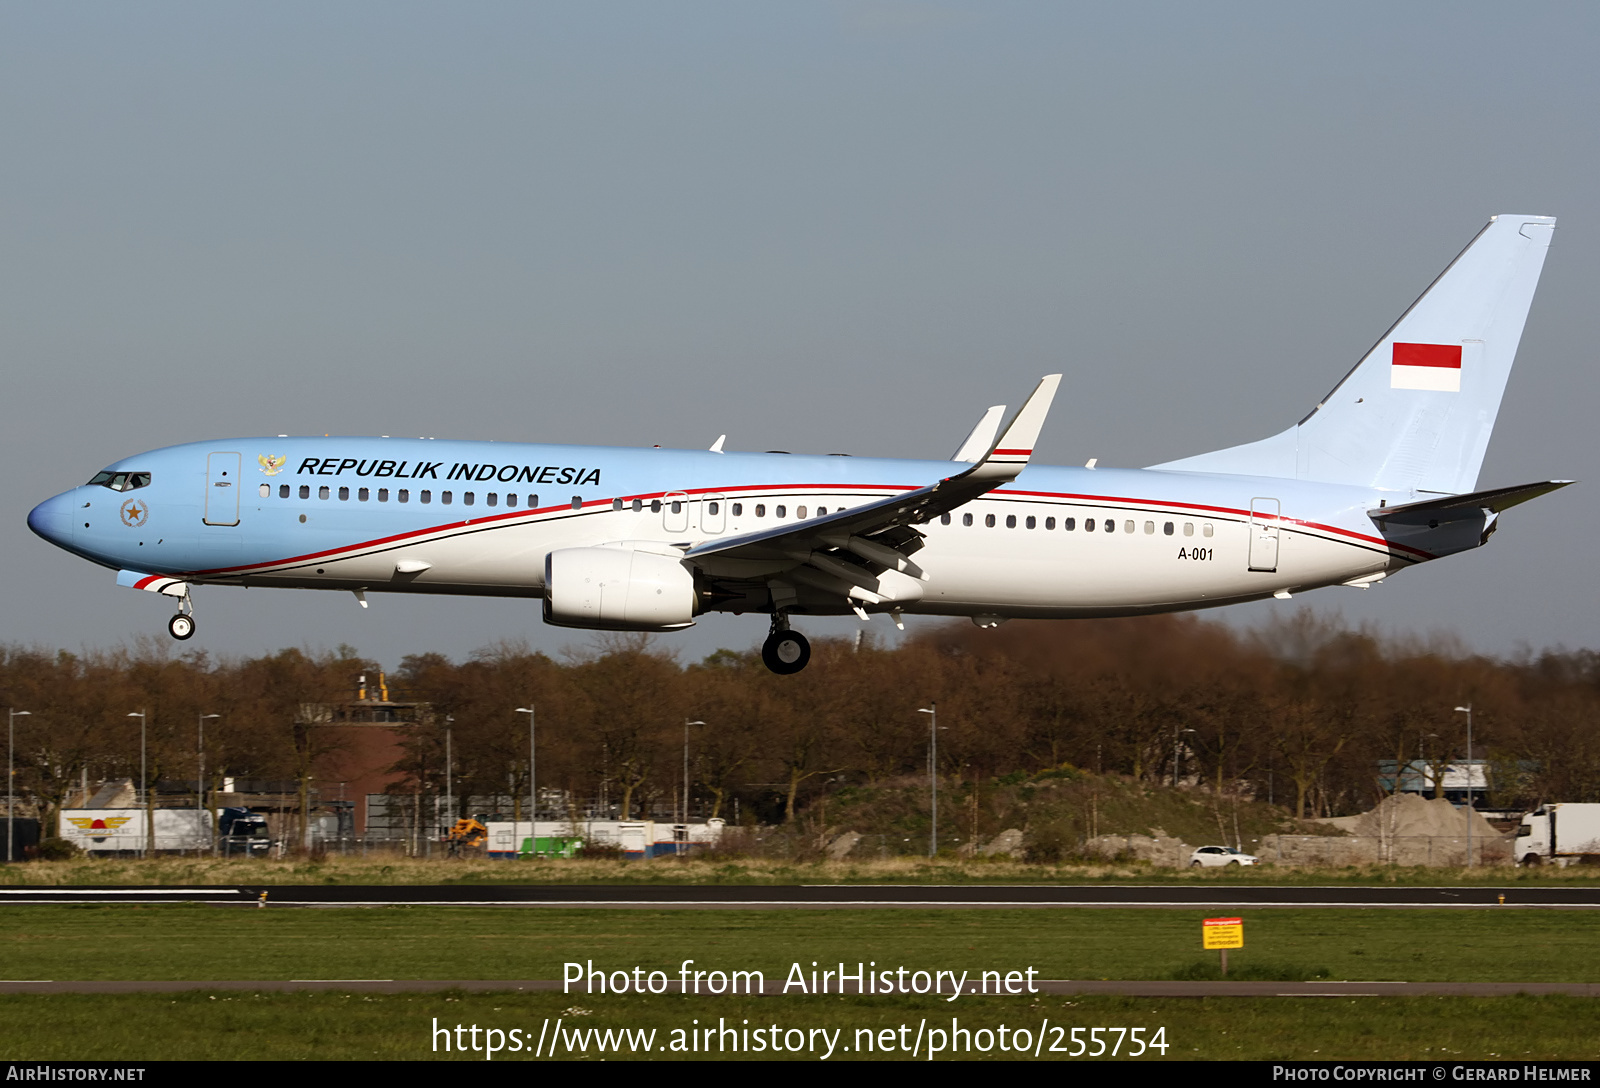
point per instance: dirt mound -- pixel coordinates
(1407, 815)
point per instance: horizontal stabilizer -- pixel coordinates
(1463, 507)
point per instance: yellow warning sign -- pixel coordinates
(1223, 933)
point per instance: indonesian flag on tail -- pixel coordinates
(1435, 367)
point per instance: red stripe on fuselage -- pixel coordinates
(475, 523)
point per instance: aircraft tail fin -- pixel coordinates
(1417, 411)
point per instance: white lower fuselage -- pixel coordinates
(1161, 540)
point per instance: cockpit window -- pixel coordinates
(121, 481)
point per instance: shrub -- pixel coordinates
(56, 849)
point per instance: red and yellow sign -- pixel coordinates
(1223, 933)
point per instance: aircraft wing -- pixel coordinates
(848, 550)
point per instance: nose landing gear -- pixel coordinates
(181, 626)
(785, 652)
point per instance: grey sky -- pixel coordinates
(820, 227)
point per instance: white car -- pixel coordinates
(1218, 856)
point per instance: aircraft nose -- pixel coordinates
(52, 519)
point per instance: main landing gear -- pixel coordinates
(785, 652)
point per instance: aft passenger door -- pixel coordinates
(1264, 534)
(222, 489)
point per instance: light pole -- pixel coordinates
(202, 809)
(932, 710)
(685, 821)
(1467, 710)
(449, 785)
(533, 792)
(149, 813)
(11, 800)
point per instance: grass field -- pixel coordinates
(399, 870)
(200, 942)
(208, 942)
(400, 1027)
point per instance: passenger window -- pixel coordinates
(822, 511)
(761, 510)
(305, 492)
(1068, 524)
(404, 495)
(655, 506)
(283, 491)
(467, 498)
(1031, 523)
(800, 512)
(1049, 523)
(577, 502)
(1205, 529)
(738, 509)
(425, 497)
(383, 494)
(344, 494)
(616, 504)
(1088, 525)
(677, 507)
(779, 511)
(988, 521)
(445, 497)
(1011, 521)
(363, 494)
(266, 491)
(1127, 526)
(1188, 528)
(533, 500)
(944, 519)
(322, 492)
(491, 499)
(712, 507)
(637, 506)
(1149, 528)
(966, 519)
(1111, 526)
(1167, 528)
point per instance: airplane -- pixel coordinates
(1380, 476)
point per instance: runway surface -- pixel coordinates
(1125, 987)
(748, 897)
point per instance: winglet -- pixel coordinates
(1016, 445)
(981, 440)
(1009, 456)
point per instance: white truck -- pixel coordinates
(1558, 834)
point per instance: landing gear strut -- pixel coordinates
(785, 652)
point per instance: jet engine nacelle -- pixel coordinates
(617, 589)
